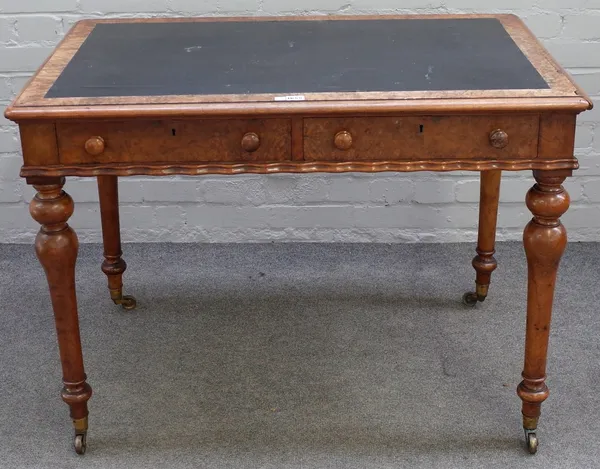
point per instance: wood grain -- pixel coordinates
(159, 141)
(297, 138)
(361, 108)
(56, 247)
(535, 51)
(484, 262)
(545, 239)
(557, 135)
(469, 136)
(563, 94)
(113, 265)
(191, 135)
(420, 137)
(295, 167)
(38, 143)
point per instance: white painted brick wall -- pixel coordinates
(353, 207)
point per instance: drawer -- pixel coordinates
(251, 140)
(415, 138)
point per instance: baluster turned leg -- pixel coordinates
(113, 266)
(484, 262)
(56, 246)
(545, 239)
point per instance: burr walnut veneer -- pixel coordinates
(312, 94)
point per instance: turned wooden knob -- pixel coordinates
(250, 142)
(94, 146)
(343, 140)
(499, 138)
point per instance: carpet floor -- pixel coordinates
(309, 356)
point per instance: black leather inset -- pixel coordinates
(295, 57)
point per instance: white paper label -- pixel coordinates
(290, 98)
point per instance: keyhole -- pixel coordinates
(421, 128)
(173, 131)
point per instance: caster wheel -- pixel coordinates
(80, 443)
(128, 303)
(532, 443)
(470, 299)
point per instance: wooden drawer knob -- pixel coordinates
(499, 138)
(343, 140)
(95, 146)
(250, 142)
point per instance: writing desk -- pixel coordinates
(274, 95)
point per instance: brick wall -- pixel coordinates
(384, 207)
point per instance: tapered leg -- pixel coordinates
(484, 262)
(113, 265)
(56, 246)
(545, 239)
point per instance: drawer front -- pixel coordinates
(252, 140)
(419, 138)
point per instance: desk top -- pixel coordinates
(158, 67)
(295, 58)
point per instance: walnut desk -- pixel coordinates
(274, 95)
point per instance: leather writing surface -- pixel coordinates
(295, 57)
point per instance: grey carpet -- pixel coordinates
(299, 356)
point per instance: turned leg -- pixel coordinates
(484, 262)
(113, 265)
(56, 246)
(545, 239)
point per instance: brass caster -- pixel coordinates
(127, 302)
(470, 299)
(80, 443)
(532, 441)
